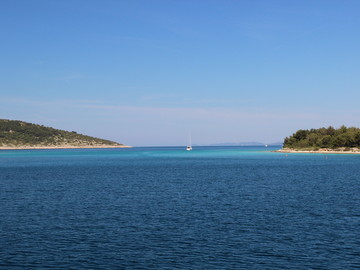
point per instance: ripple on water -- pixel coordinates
(161, 209)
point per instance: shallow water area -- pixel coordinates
(168, 208)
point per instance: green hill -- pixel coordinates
(313, 139)
(18, 134)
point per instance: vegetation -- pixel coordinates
(22, 134)
(342, 138)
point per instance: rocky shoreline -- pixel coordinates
(321, 151)
(62, 147)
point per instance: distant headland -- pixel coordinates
(22, 135)
(344, 140)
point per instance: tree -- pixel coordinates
(324, 137)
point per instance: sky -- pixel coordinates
(146, 73)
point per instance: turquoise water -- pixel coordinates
(167, 208)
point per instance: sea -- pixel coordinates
(168, 208)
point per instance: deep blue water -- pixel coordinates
(167, 208)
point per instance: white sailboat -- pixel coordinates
(189, 147)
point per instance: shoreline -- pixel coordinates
(62, 147)
(321, 151)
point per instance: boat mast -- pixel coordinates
(190, 138)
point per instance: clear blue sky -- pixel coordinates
(147, 72)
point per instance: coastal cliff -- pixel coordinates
(23, 135)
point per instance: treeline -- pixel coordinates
(330, 137)
(17, 133)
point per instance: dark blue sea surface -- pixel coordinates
(167, 208)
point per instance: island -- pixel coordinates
(344, 140)
(22, 135)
